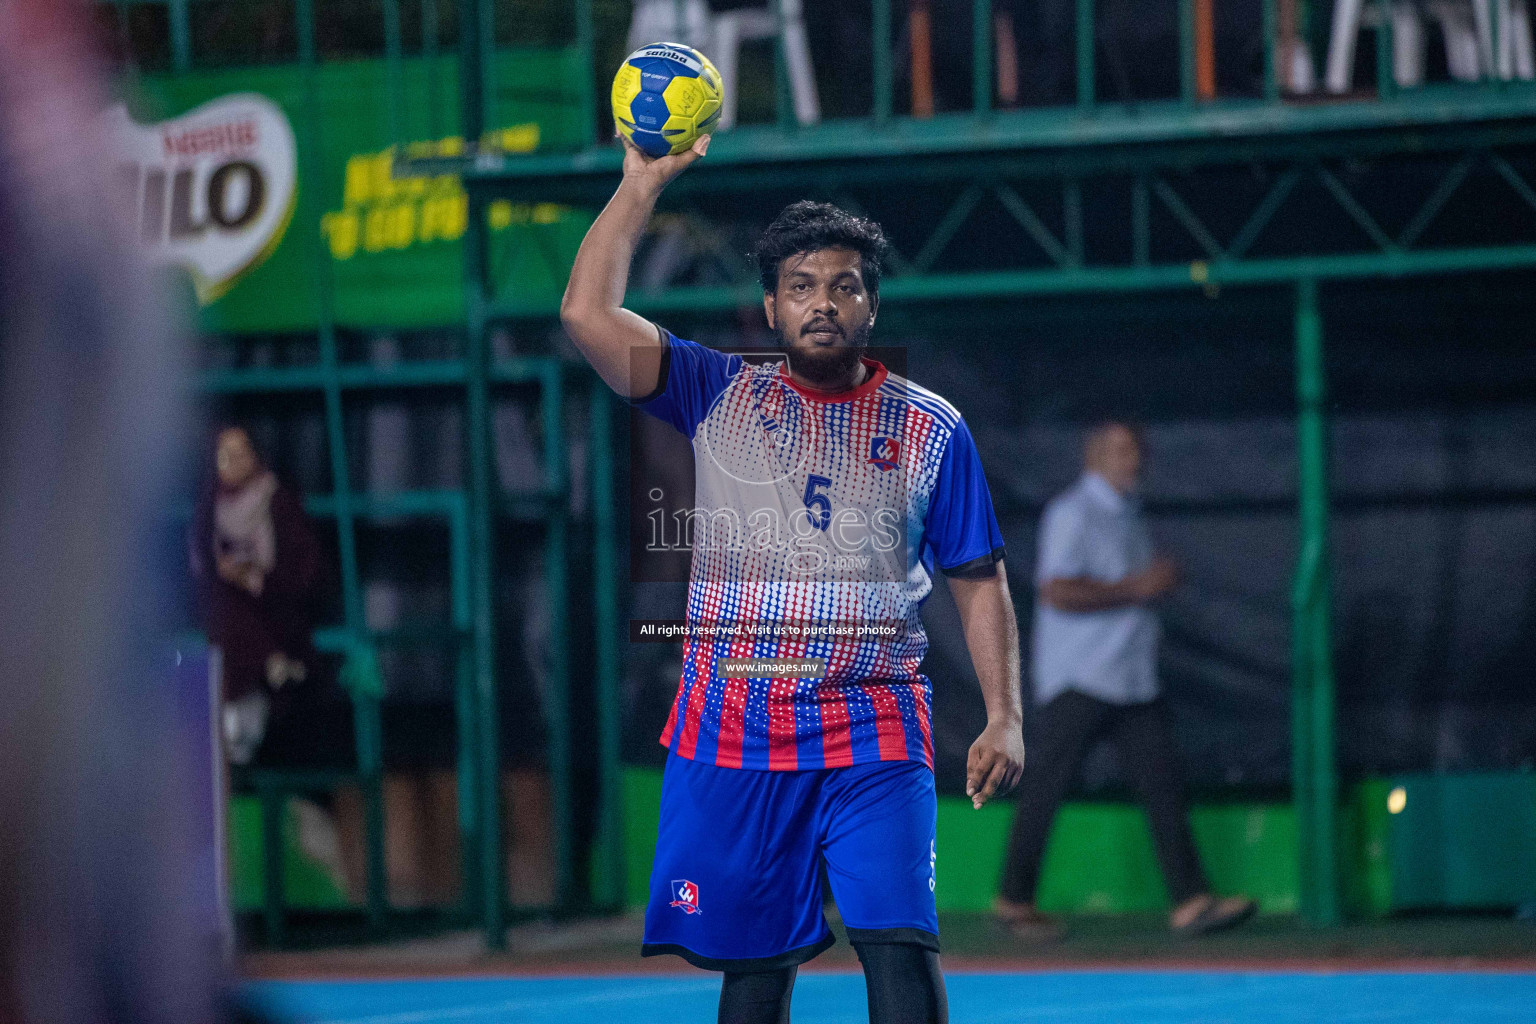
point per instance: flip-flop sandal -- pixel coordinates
(1215, 919)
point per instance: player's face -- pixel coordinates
(823, 314)
(235, 458)
(1116, 456)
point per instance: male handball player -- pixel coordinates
(828, 489)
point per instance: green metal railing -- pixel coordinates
(1084, 46)
(882, 66)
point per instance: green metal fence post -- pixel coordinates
(1313, 25)
(365, 708)
(1072, 221)
(1496, 29)
(466, 716)
(482, 487)
(981, 55)
(1141, 222)
(585, 48)
(394, 66)
(552, 396)
(1312, 642)
(429, 44)
(482, 531)
(881, 31)
(783, 102)
(272, 842)
(485, 36)
(1386, 76)
(1187, 71)
(1085, 55)
(1302, 790)
(1272, 56)
(181, 36)
(609, 882)
(369, 729)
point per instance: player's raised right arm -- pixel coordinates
(621, 346)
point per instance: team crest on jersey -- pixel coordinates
(883, 452)
(774, 429)
(685, 895)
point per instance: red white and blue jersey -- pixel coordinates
(826, 513)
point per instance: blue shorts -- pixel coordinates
(736, 884)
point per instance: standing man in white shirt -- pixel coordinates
(1095, 673)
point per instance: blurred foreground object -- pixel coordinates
(97, 916)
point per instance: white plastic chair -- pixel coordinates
(1514, 59)
(656, 21)
(1466, 25)
(720, 37)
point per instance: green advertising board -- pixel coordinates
(391, 247)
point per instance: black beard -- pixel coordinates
(830, 368)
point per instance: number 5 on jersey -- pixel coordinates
(817, 502)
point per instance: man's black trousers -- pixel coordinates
(1143, 738)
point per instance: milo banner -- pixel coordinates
(213, 189)
(219, 164)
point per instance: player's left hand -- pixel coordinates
(995, 763)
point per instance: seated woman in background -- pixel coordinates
(260, 576)
(257, 565)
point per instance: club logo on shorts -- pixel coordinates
(685, 895)
(883, 452)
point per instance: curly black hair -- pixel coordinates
(808, 226)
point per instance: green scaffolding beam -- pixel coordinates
(1312, 700)
(479, 454)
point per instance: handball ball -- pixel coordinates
(665, 96)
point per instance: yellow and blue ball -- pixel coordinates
(665, 96)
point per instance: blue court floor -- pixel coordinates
(1087, 997)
